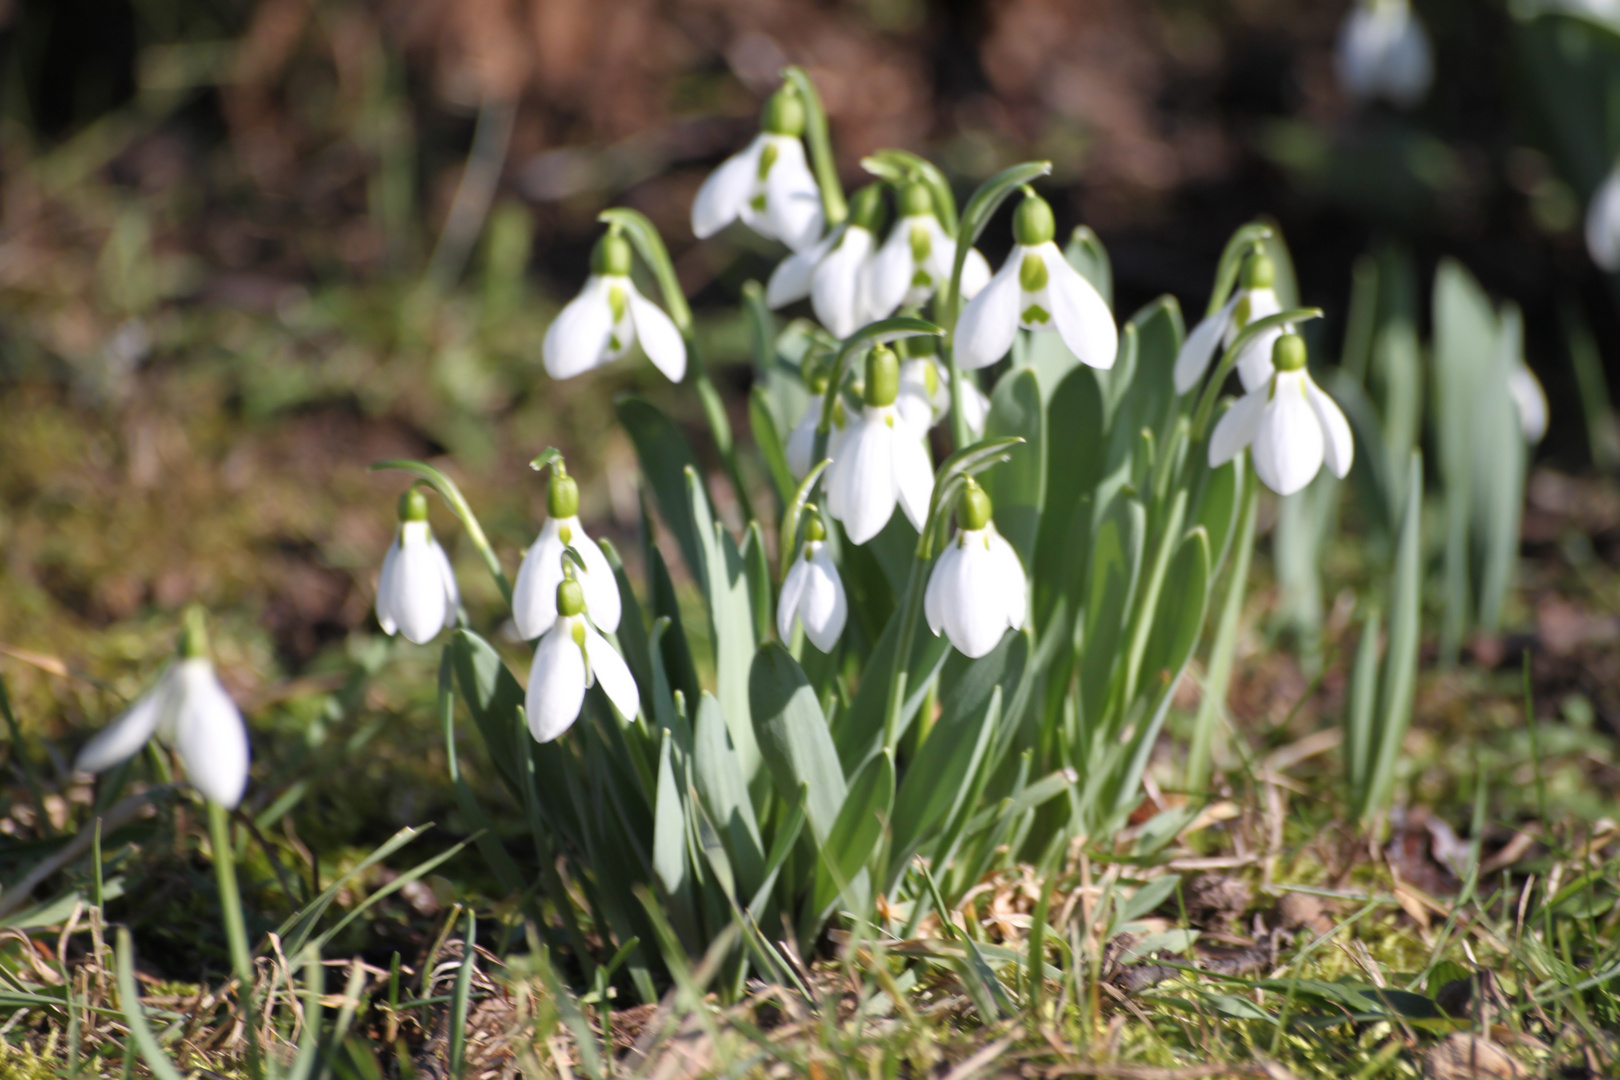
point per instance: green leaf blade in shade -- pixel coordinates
(1399, 682)
(723, 789)
(771, 445)
(665, 456)
(732, 620)
(650, 246)
(854, 836)
(793, 737)
(1017, 489)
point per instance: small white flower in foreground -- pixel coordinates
(1256, 298)
(916, 260)
(609, 317)
(189, 710)
(882, 460)
(925, 391)
(1383, 52)
(768, 186)
(569, 658)
(416, 592)
(812, 592)
(1288, 424)
(977, 591)
(1529, 400)
(1603, 223)
(801, 441)
(836, 273)
(1037, 289)
(534, 596)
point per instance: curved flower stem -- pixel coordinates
(1232, 256)
(1212, 389)
(833, 207)
(230, 903)
(451, 494)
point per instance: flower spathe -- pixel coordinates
(1289, 425)
(1036, 289)
(534, 595)
(1603, 223)
(189, 710)
(977, 590)
(1255, 299)
(570, 657)
(416, 592)
(917, 259)
(768, 186)
(813, 593)
(1383, 52)
(882, 460)
(608, 318)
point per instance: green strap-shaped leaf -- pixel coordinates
(1399, 681)
(721, 784)
(768, 437)
(1085, 252)
(854, 836)
(665, 456)
(1017, 489)
(731, 620)
(793, 738)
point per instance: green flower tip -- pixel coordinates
(814, 530)
(914, 199)
(194, 634)
(784, 113)
(1289, 353)
(866, 208)
(973, 512)
(1259, 272)
(612, 255)
(1033, 222)
(413, 506)
(562, 500)
(570, 597)
(882, 377)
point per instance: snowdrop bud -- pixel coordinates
(1288, 424)
(416, 592)
(882, 376)
(977, 590)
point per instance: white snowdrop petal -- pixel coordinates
(608, 668)
(787, 605)
(576, 341)
(419, 602)
(913, 476)
(452, 592)
(837, 286)
(801, 441)
(388, 588)
(823, 608)
(123, 738)
(209, 735)
(1082, 317)
(792, 199)
(1603, 224)
(721, 198)
(989, 322)
(790, 281)
(934, 595)
(1198, 351)
(601, 588)
(892, 270)
(556, 683)
(1236, 428)
(1254, 362)
(1338, 448)
(863, 489)
(975, 611)
(1287, 446)
(1014, 586)
(659, 338)
(1408, 64)
(1356, 59)
(534, 596)
(1530, 401)
(975, 272)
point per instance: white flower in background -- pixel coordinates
(813, 593)
(925, 392)
(977, 591)
(1037, 289)
(189, 710)
(882, 460)
(416, 592)
(534, 597)
(1603, 223)
(1289, 425)
(836, 273)
(1529, 400)
(1384, 53)
(769, 186)
(569, 658)
(1256, 298)
(801, 441)
(916, 260)
(608, 318)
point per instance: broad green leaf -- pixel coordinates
(767, 436)
(756, 564)
(854, 836)
(731, 617)
(1220, 506)
(792, 736)
(721, 784)
(1178, 619)
(1498, 471)
(858, 730)
(675, 651)
(1116, 565)
(669, 826)
(1399, 681)
(493, 698)
(665, 457)
(1017, 488)
(1085, 252)
(1159, 333)
(1076, 440)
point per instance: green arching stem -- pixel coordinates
(230, 903)
(1232, 256)
(885, 330)
(1212, 389)
(820, 140)
(451, 494)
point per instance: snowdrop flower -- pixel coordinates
(1289, 425)
(608, 317)
(801, 441)
(813, 593)
(534, 597)
(925, 391)
(1603, 224)
(917, 259)
(1256, 298)
(977, 590)
(769, 186)
(189, 710)
(1037, 289)
(882, 460)
(1529, 400)
(416, 594)
(1383, 52)
(836, 273)
(570, 657)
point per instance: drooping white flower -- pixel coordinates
(768, 186)
(188, 709)
(534, 596)
(917, 259)
(801, 441)
(1289, 425)
(416, 592)
(1529, 401)
(977, 591)
(608, 318)
(836, 273)
(882, 460)
(569, 658)
(1603, 224)
(1383, 52)
(925, 393)
(1037, 289)
(1256, 298)
(812, 592)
